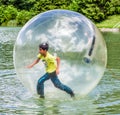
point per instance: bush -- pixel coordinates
(23, 16)
(2, 19)
(12, 23)
(96, 10)
(10, 13)
(7, 13)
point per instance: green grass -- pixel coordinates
(113, 49)
(110, 22)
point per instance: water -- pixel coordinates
(16, 100)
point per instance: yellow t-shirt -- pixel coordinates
(49, 61)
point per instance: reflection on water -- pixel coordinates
(113, 46)
(15, 99)
(109, 89)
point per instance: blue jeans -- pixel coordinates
(55, 81)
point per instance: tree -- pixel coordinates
(10, 12)
(26, 14)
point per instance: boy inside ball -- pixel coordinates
(52, 70)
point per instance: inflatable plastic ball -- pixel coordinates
(72, 37)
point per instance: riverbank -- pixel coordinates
(109, 29)
(112, 23)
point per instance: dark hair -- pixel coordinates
(44, 46)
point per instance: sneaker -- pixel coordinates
(41, 96)
(72, 95)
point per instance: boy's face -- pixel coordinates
(41, 51)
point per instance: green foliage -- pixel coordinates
(2, 19)
(5, 2)
(23, 16)
(12, 23)
(7, 13)
(74, 6)
(98, 10)
(44, 5)
(20, 11)
(10, 13)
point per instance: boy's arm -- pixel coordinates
(58, 64)
(35, 62)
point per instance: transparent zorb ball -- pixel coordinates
(72, 37)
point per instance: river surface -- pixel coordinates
(16, 100)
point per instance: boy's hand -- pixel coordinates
(35, 62)
(29, 66)
(58, 63)
(57, 71)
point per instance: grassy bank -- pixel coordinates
(113, 49)
(110, 22)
